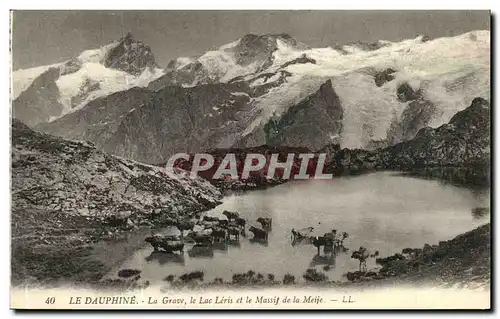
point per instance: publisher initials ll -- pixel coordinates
(347, 299)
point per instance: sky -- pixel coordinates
(46, 37)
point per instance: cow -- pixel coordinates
(259, 233)
(240, 222)
(299, 236)
(344, 237)
(184, 225)
(210, 219)
(233, 231)
(158, 241)
(319, 241)
(203, 239)
(267, 223)
(223, 223)
(230, 215)
(362, 254)
(219, 234)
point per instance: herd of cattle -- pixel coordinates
(208, 230)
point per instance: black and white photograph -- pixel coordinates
(246, 159)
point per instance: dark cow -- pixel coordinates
(209, 224)
(162, 242)
(344, 237)
(203, 239)
(362, 254)
(223, 223)
(210, 219)
(172, 246)
(184, 225)
(230, 215)
(267, 223)
(258, 233)
(233, 231)
(219, 234)
(240, 222)
(297, 236)
(319, 241)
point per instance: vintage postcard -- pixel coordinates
(250, 159)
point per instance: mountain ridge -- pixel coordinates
(386, 92)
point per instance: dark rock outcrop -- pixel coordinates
(259, 90)
(301, 60)
(130, 55)
(252, 48)
(312, 123)
(406, 93)
(416, 115)
(463, 142)
(71, 66)
(384, 76)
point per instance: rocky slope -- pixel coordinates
(67, 194)
(46, 93)
(271, 89)
(100, 118)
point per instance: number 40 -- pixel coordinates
(50, 300)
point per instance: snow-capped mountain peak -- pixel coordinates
(117, 66)
(249, 54)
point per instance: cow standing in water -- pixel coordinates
(231, 215)
(297, 235)
(267, 223)
(169, 244)
(184, 225)
(233, 231)
(219, 234)
(362, 254)
(344, 237)
(258, 233)
(319, 241)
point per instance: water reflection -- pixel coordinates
(327, 259)
(164, 258)
(220, 247)
(260, 241)
(201, 252)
